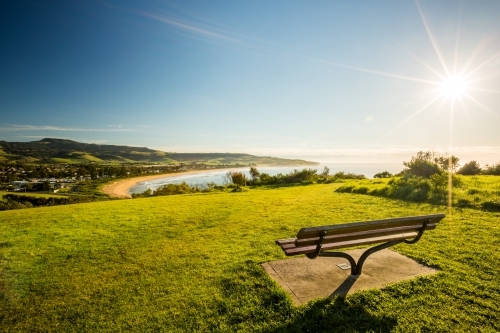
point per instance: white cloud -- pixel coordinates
(64, 129)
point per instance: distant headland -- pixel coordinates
(50, 150)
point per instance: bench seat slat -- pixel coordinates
(312, 232)
(285, 241)
(355, 242)
(333, 237)
(288, 246)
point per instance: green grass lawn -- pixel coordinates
(192, 263)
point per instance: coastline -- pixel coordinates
(119, 189)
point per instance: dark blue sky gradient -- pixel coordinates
(257, 76)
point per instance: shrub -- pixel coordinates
(238, 178)
(410, 188)
(9, 204)
(345, 189)
(473, 191)
(349, 175)
(383, 174)
(491, 206)
(360, 190)
(14, 201)
(492, 170)
(470, 168)
(384, 191)
(171, 189)
(464, 203)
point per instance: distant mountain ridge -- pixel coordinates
(50, 150)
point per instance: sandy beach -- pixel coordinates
(119, 188)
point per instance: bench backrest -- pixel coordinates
(359, 233)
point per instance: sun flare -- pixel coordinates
(454, 86)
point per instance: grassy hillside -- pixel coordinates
(191, 263)
(482, 192)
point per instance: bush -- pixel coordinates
(421, 168)
(171, 189)
(492, 170)
(303, 177)
(473, 191)
(360, 190)
(491, 206)
(9, 204)
(239, 179)
(383, 174)
(464, 203)
(349, 175)
(14, 201)
(345, 189)
(471, 168)
(410, 188)
(383, 192)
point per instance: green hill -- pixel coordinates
(66, 151)
(191, 263)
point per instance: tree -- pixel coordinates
(228, 178)
(46, 186)
(471, 168)
(449, 163)
(326, 171)
(93, 172)
(238, 179)
(422, 165)
(254, 173)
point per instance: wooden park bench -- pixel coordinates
(314, 241)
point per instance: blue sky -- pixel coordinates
(336, 81)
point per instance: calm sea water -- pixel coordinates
(217, 176)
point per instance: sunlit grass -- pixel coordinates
(472, 191)
(191, 263)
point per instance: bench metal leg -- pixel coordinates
(356, 267)
(374, 249)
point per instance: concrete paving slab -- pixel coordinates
(305, 279)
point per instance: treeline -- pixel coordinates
(14, 201)
(21, 171)
(235, 180)
(473, 168)
(172, 189)
(304, 176)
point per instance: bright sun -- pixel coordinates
(454, 86)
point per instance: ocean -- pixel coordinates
(201, 178)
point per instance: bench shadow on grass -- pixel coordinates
(336, 314)
(250, 295)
